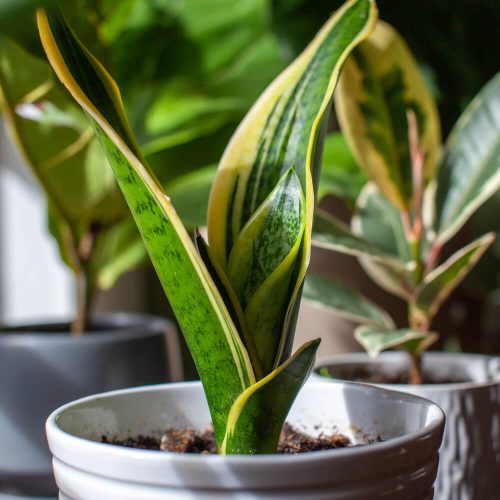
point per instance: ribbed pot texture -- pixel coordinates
(403, 466)
(469, 463)
(43, 367)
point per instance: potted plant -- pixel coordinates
(236, 300)
(186, 112)
(403, 220)
(42, 365)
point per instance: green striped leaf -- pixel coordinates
(324, 292)
(375, 341)
(283, 131)
(439, 283)
(266, 404)
(470, 170)
(219, 354)
(380, 83)
(332, 234)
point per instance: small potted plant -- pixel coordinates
(236, 300)
(403, 219)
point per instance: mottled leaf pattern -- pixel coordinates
(380, 83)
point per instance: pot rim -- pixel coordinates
(115, 325)
(68, 440)
(363, 357)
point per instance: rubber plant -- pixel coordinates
(417, 198)
(236, 298)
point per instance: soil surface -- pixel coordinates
(189, 440)
(374, 375)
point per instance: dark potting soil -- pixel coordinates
(189, 440)
(375, 375)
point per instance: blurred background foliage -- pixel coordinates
(190, 69)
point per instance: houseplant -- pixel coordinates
(236, 298)
(186, 110)
(403, 219)
(41, 365)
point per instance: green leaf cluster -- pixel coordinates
(235, 297)
(419, 194)
(190, 71)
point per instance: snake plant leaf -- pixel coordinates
(439, 283)
(378, 221)
(219, 354)
(470, 170)
(326, 293)
(380, 83)
(266, 404)
(284, 130)
(263, 260)
(332, 234)
(340, 174)
(375, 341)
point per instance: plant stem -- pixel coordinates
(415, 369)
(84, 282)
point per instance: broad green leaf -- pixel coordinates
(59, 146)
(332, 234)
(470, 170)
(221, 358)
(324, 292)
(119, 250)
(380, 83)
(375, 341)
(439, 283)
(378, 221)
(266, 404)
(340, 174)
(284, 130)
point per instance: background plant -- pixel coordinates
(411, 208)
(183, 110)
(236, 299)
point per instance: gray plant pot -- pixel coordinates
(469, 465)
(403, 467)
(42, 367)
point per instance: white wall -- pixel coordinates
(34, 283)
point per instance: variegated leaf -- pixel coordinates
(470, 170)
(266, 404)
(332, 234)
(375, 341)
(326, 293)
(220, 356)
(440, 283)
(380, 83)
(283, 131)
(378, 221)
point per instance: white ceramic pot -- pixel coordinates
(401, 467)
(469, 465)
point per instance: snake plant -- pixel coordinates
(417, 199)
(235, 297)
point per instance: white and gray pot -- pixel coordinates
(469, 466)
(403, 466)
(43, 367)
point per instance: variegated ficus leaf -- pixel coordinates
(236, 298)
(326, 293)
(470, 170)
(406, 214)
(377, 340)
(380, 83)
